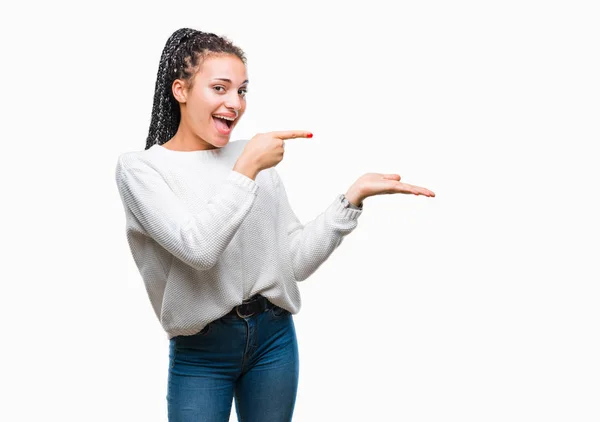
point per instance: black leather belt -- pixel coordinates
(251, 306)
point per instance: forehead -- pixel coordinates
(223, 66)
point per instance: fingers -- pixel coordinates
(415, 190)
(290, 134)
(426, 192)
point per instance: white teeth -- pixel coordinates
(231, 119)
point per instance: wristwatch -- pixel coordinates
(348, 204)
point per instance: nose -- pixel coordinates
(233, 102)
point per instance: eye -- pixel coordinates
(219, 86)
(243, 92)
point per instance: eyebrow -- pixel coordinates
(229, 80)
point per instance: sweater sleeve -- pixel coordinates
(312, 243)
(198, 239)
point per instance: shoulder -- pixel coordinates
(134, 160)
(274, 177)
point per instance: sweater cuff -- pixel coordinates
(348, 213)
(243, 181)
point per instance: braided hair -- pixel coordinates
(184, 51)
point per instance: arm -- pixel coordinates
(312, 243)
(198, 239)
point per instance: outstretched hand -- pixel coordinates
(371, 184)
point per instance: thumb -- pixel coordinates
(391, 176)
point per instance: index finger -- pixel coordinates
(289, 134)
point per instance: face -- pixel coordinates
(219, 89)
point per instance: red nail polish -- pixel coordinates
(309, 135)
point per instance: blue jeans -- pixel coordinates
(252, 359)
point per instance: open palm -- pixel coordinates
(371, 184)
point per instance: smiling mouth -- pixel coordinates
(228, 122)
(223, 125)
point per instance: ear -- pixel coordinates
(179, 90)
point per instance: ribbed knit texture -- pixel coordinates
(205, 237)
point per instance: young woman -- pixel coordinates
(216, 242)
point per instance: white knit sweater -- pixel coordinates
(205, 237)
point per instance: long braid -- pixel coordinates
(185, 49)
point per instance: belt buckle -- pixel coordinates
(237, 311)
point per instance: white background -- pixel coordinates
(481, 304)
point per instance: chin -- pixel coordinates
(220, 141)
